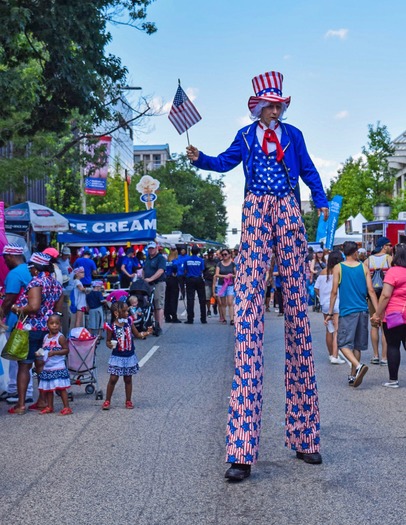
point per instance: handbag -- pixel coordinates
(17, 346)
(394, 319)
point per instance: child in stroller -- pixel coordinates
(144, 294)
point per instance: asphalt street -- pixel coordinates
(163, 463)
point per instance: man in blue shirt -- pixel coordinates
(129, 266)
(17, 279)
(89, 267)
(194, 268)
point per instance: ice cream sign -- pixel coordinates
(147, 186)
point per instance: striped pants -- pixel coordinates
(271, 224)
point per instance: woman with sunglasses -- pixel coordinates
(223, 286)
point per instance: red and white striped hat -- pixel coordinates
(268, 88)
(42, 259)
(12, 249)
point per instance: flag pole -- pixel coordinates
(187, 132)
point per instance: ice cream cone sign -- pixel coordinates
(147, 186)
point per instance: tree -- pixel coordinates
(66, 41)
(57, 84)
(368, 180)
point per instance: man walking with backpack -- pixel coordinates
(378, 264)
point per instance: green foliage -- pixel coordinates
(368, 180)
(311, 220)
(56, 85)
(65, 42)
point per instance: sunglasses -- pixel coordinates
(224, 254)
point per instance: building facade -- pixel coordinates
(151, 157)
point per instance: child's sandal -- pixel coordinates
(129, 405)
(45, 411)
(67, 411)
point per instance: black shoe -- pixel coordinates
(238, 472)
(313, 458)
(168, 320)
(215, 311)
(204, 321)
(188, 322)
(176, 321)
(359, 375)
(157, 332)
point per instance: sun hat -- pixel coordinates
(97, 283)
(267, 88)
(42, 259)
(78, 270)
(66, 250)
(12, 249)
(51, 251)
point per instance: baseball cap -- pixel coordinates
(382, 241)
(151, 245)
(362, 250)
(42, 259)
(12, 249)
(51, 252)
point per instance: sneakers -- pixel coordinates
(336, 360)
(384, 362)
(391, 384)
(351, 380)
(129, 405)
(375, 361)
(359, 374)
(106, 405)
(209, 314)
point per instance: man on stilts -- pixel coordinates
(274, 156)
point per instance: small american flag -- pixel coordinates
(183, 114)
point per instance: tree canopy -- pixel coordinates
(367, 180)
(56, 81)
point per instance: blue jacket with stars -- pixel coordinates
(297, 162)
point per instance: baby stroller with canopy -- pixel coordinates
(145, 294)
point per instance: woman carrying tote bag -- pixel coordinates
(41, 297)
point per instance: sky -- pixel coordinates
(343, 64)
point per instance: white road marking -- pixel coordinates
(147, 356)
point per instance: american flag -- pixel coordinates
(183, 114)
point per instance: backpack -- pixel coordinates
(377, 276)
(377, 280)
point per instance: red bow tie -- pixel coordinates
(270, 136)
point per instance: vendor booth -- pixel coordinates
(107, 235)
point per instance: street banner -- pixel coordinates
(106, 228)
(326, 229)
(96, 172)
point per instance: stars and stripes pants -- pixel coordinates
(271, 225)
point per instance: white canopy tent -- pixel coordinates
(356, 226)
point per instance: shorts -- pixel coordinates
(208, 288)
(229, 291)
(353, 331)
(159, 298)
(325, 309)
(35, 340)
(96, 318)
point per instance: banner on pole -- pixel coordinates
(326, 229)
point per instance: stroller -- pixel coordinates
(82, 364)
(145, 294)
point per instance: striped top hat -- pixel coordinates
(12, 249)
(42, 259)
(268, 88)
